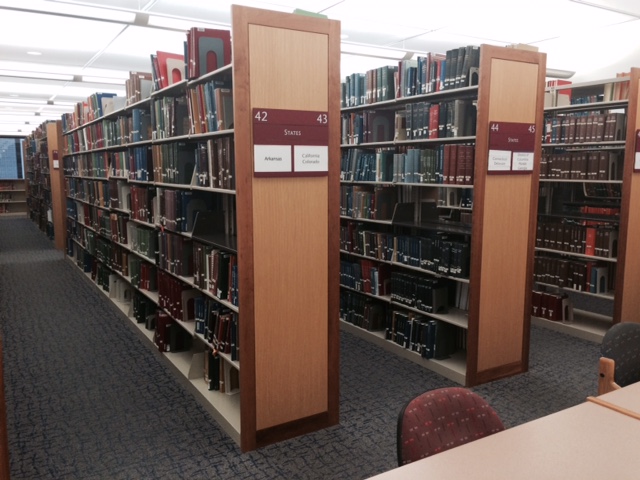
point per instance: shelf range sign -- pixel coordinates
(511, 147)
(290, 143)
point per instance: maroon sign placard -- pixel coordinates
(273, 134)
(290, 143)
(511, 147)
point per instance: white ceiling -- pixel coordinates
(108, 38)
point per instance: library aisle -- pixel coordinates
(88, 397)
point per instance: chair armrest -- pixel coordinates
(606, 380)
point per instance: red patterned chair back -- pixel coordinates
(442, 419)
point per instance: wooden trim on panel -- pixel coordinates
(266, 207)
(244, 221)
(56, 175)
(496, 373)
(292, 429)
(333, 254)
(627, 297)
(492, 349)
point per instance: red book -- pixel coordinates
(171, 66)
(434, 120)
(209, 49)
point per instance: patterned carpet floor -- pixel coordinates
(88, 398)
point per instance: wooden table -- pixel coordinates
(584, 442)
(626, 400)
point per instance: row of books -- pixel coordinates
(215, 164)
(168, 335)
(173, 163)
(613, 91)
(552, 306)
(582, 165)
(217, 324)
(440, 253)
(373, 315)
(4, 186)
(220, 376)
(94, 107)
(424, 293)
(585, 127)
(87, 165)
(172, 253)
(598, 239)
(446, 164)
(375, 85)
(176, 301)
(86, 214)
(175, 254)
(426, 120)
(428, 294)
(429, 338)
(167, 208)
(204, 164)
(581, 275)
(143, 241)
(216, 271)
(170, 294)
(170, 117)
(210, 106)
(421, 120)
(433, 72)
(94, 192)
(366, 202)
(123, 130)
(366, 276)
(204, 50)
(178, 208)
(119, 228)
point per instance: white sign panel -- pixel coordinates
(499, 160)
(271, 158)
(523, 161)
(311, 158)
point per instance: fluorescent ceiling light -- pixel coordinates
(40, 75)
(72, 9)
(104, 72)
(19, 101)
(91, 79)
(373, 51)
(34, 53)
(181, 23)
(558, 73)
(38, 67)
(15, 132)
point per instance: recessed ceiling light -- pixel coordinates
(34, 53)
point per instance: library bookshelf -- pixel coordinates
(226, 264)
(45, 189)
(452, 257)
(583, 254)
(13, 200)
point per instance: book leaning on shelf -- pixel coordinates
(207, 50)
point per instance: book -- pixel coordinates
(170, 68)
(209, 49)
